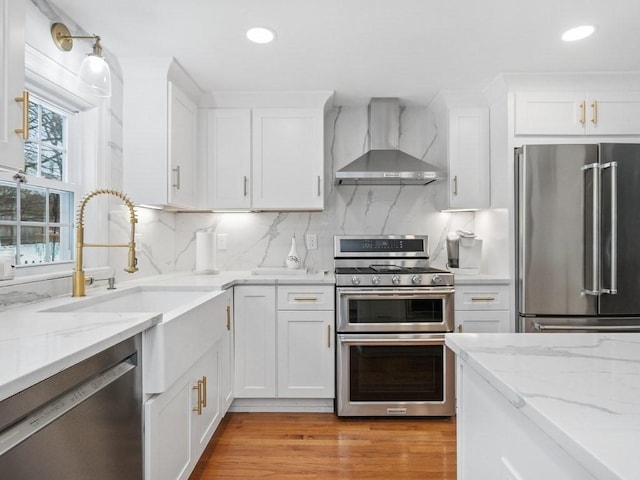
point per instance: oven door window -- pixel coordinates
(398, 373)
(396, 310)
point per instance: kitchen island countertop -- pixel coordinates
(582, 390)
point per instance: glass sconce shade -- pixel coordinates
(95, 72)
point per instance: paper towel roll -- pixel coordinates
(206, 252)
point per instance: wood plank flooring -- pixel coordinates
(323, 446)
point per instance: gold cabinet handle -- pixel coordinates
(229, 317)
(198, 407)
(176, 171)
(455, 185)
(305, 299)
(204, 391)
(594, 112)
(245, 185)
(24, 131)
(582, 112)
(328, 336)
(483, 299)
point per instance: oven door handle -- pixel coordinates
(385, 339)
(397, 293)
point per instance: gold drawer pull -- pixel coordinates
(204, 391)
(25, 115)
(229, 317)
(483, 299)
(198, 407)
(594, 115)
(305, 299)
(583, 113)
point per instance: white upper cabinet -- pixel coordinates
(160, 128)
(13, 108)
(228, 140)
(577, 113)
(462, 150)
(265, 153)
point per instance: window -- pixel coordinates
(36, 218)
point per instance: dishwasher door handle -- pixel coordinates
(51, 411)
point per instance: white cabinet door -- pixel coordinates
(577, 113)
(205, 400)
(167, 433)
(469, 167)
(288, 159)
(227, 361)
(229, 158)
(159, 134)
(255, 341)
(12, 113)
(183, 129)
(305, 354)
(613, 113)
(550, 113)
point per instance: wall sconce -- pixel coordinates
(94, 70)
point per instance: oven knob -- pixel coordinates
(355, 280)
(436, 280)
(395, 279)
(416, 279)
(375, 280)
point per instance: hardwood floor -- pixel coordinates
(323, 446)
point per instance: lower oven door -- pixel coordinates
(382, 309)
(394, 374)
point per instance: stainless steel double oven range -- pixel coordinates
(392, 312)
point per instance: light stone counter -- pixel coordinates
(582, 390)
(35, 345)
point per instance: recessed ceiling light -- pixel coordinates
(578, 33)
(261, 35)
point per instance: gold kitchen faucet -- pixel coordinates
(78, 272)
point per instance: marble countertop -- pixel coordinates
(582, 390)
(35, 345)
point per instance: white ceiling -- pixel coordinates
(366, 48)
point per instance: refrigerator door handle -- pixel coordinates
(585, 328)
(613, 282)
(595, 231)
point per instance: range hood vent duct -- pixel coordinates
(385, 163)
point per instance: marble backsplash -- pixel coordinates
(262, 239)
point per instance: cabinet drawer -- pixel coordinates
(306, 297)
(482, 297)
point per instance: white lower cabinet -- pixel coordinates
(284, 348)
(495, 440)
(255, 341)
(180, 422)
(305, 354)
(482, 308)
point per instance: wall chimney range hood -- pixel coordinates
(385, 163)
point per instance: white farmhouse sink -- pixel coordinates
(192, 318)
(136, 299)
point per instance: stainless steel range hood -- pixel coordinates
(385, 163)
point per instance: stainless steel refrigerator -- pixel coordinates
(578, 237)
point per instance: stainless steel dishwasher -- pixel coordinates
(85, 422)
